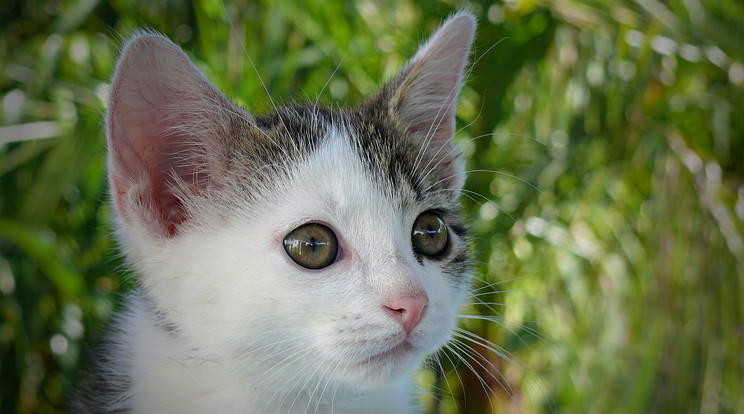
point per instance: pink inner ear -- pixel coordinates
(153, 161)
(145, 153)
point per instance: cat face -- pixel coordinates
(338, 316)
(305, 246)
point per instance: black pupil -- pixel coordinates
(429, 235)
(313, 246)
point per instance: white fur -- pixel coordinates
(261, 334)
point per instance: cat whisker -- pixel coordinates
(335, 391)
(505, 174)
(476, 356)
(330, 368)
(431, 133)
(482, 292)
(466, 195)
(274, 353)
(490, 304)
(499, 351)
(511, 134)
(245, 354)
(467, 74)
(431, 168)
(327, 382)
(253, 65)
(438, 118)
(501, 282)
(533, 290)
(477, 301)
(457, 349)
(483, 170)
(294, 379)
(454, 365)
(287, 389)
(478, 340)
(300, 342)
(491, 285)
(317, 98)
(511, 326)
(464, 190)
(478, 59)
(475, 118)
(510, 358)
(325, 375)
(446, 381)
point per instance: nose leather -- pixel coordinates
(408, 310)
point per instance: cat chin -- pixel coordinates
(384, 369)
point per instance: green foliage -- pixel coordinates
(605, 142)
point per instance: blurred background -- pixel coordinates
(606, 193)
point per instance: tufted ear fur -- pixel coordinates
(423, 97)
(168, 133)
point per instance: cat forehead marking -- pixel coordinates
(394, 161)
(338, 174)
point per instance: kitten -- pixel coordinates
(308, 260)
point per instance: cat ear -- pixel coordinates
(423, 97)
(168, 133)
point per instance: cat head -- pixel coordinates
(300, 239)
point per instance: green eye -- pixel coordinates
(429, 235)
(312, 245)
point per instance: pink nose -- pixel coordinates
(408, 309)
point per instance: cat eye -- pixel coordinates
(312, 245)
(429, 235)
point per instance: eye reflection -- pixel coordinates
(312, 245)
(429, 235)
